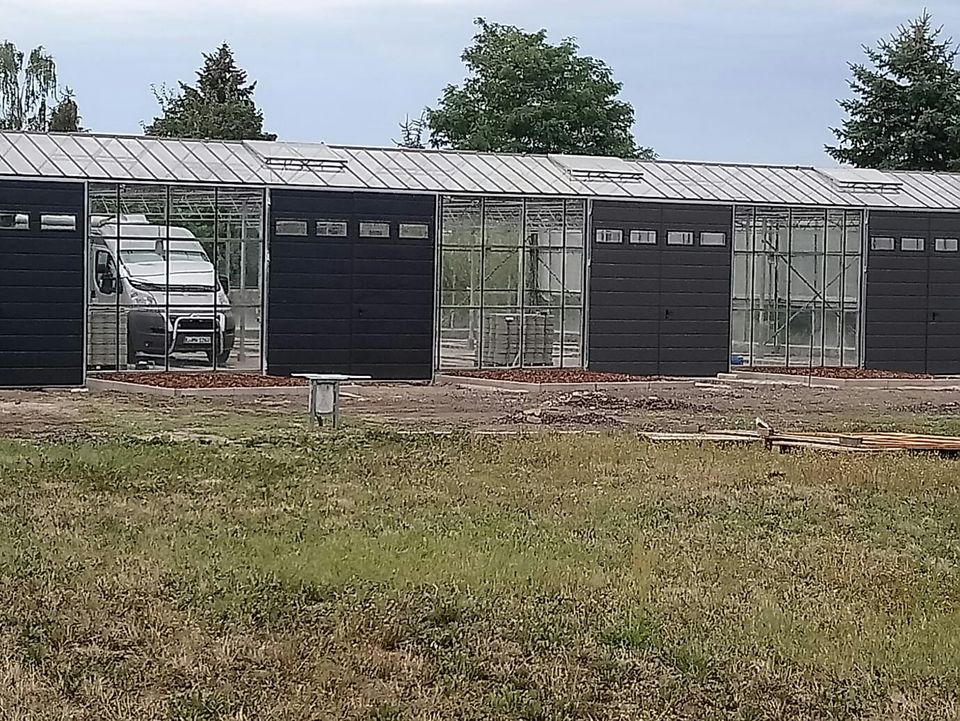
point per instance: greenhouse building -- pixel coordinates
(131, 252)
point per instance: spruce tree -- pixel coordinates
(905, 113)
(220, 106)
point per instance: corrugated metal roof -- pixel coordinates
(313, 165)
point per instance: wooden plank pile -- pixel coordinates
(831, 442)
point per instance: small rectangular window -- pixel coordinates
(332, 228)
(291, 227)
(713, 239)
(374, 230)
(12, 220)
(58, 222)
(676, 237)
(882, 243)
(414, 230)
(947, 245)
(643, 237)
(608, 235)
(911, 244)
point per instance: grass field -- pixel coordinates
(372, 576)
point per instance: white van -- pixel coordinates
(166, 285)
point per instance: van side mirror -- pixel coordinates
(225, 283)
(107, 282)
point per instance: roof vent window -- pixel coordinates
(298, 156)
(862, 180)
(594, 169)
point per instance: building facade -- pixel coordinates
(129, 252)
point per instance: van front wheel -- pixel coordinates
(222, 355)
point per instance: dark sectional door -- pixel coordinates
(913, 297)
(943, 298)
(358, 305)
(41, 284)
(659, 309)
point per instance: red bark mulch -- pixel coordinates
(552, 375)
(843, 373)
(204, 380)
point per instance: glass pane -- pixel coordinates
(836, 228)
(854, 233)
(807, 228)
(244, 352)
(572, 338)
(833, 286)
(460, 275)
(740, 334)
(851, 283)
(544, 277)
(741, 275)
(743, 235)
(772, 230)
(501, 275)
(459, 337)
(831, 340)
(769, 337)
(575, 223)
(804, 335)
(503, 223)
(851, 338)
(462, 223)
(573, 270)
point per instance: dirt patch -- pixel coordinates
(598, 408)
(41, 414)
(553, 375)
(603, 401)
(204, 380)
(840, 373)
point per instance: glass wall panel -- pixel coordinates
(183, 268)
(518, 265)
(796, 281)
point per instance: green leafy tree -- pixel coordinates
(30, 98)
(905, 113)
(525, 95)
(220, 106)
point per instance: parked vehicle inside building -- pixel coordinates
(165, 286)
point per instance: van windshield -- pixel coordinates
(152, 256)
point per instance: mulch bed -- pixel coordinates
(204, 380)
(843, 373)
(552, 375)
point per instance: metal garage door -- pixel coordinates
(660, 289)
(351, 284)
(913, 293)
(41, 284)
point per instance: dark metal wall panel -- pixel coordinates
(660, 309)
(41, 286)
(351, 305)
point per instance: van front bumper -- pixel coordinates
(154, 334)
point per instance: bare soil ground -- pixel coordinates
(672, 408)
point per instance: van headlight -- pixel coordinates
(141, 297)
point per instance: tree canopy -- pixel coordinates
(30, 98)
(220, 106)
(525, 95)
(905, 113)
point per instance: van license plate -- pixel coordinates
(196, 340)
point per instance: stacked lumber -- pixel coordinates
(831, 442)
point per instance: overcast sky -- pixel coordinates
(727, 80)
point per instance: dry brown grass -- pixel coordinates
(370, 576)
